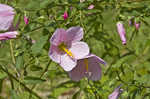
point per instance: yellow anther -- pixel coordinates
(68, 52)
(86, 64)
(63, 48)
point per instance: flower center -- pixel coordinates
(63, 48)
(86, 64)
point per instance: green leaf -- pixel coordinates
(33, 80)
(1, 84)
(19, 62)
(37, 47)
(35, 68)
(76, 95)
(14, 95)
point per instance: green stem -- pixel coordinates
(22, 84)
(41, 76)
(94, 92)
(11, 52)
(45, 70)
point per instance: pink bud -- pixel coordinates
(91, 6)
(121, 32)
(33, 41)
(65, 15)
(137, 25)
(26, 20)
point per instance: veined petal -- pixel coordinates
(78, 72)
(58, 37)
(79, 50)
(75, 34)
(94, 69)
(97, 59)
(8, 35)
(6, 17)
(54, 54)
(116, 93)
(67, 63)
(4, 7)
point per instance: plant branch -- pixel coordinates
(11, 52)
(45, 70)
(22, 84)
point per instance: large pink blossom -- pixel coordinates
(89, 67)
(8, 35)
(66, 47)
(121, 32)
(6, 17)
(116, 93)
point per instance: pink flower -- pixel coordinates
(88, 67)
(91, 6)
(26, 20)
(6, 17)
(116, 93)
(66, 47)
(137, 25)
(65, 15)
(121, 32)
(8, 35)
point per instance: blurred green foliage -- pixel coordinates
(32, 75)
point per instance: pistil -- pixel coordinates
(86, 64)
(64, 49)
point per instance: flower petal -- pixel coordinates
(98, 59)
(79, 50)
(116, 93)
(58, 37)
(121, 31)
(6, 17)
(53, 54)
(78, 72)
(8, 35)
(75, 34)
(67, 63)
(4, 7)
(94, 68)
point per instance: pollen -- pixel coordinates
(63, 48)
(86, 64)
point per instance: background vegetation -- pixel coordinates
(26, 71)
